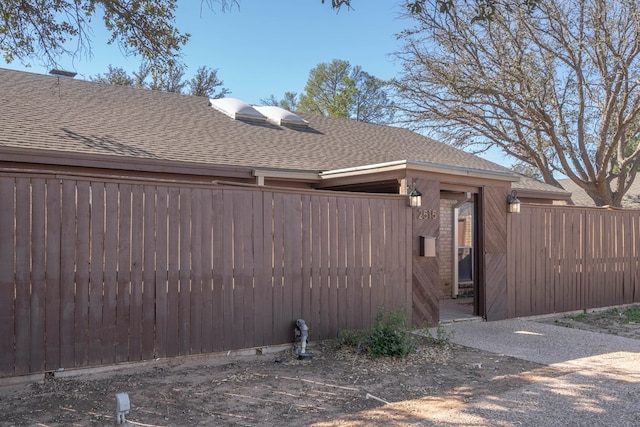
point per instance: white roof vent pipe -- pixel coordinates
(281, 117)
(237, 109)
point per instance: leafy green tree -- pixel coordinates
(289, 102)
(168, 80)
(115, 76)
(371, 102)
(42, 29)
(329, 90)
(204, 83)
(337, 89)
(557, 89)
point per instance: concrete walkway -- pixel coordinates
(598, 382)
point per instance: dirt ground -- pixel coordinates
(337, 387)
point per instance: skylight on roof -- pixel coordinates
(281, 117)
(237, 109)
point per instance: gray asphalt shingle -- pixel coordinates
(61, 114)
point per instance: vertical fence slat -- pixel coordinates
(246, 269)
(67, 273)
(341, 273)
(110, 274)
(324, 281)
(208, 324)
(38, 281)
(315, 307)
(278, 272)
(123, 298)
(161, 268)
(97, 251)
(629, 251)
(387, 256)
(7, 285)
(195, 330)
(81, 332)
(292, 248)
(184, 304)
(262, 314)
(367, 264)
(226, 272)
(52, 273)
(22, 275)
(173, 320)
(334, 280)
(135, 302)
(219, 280)
(394, 264)
(306, 254)
(377, 243)
(239, 286)
(148, 284)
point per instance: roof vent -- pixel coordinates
(63, 73)
(237, 109)
(282, 117)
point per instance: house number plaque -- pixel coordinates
(427, 214)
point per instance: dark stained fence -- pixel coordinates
(571, 258)
(95, 272)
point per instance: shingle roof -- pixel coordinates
(631, 200)
(61, 114)
(531, 184)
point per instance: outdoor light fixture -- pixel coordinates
(513, 203)
(415, 197)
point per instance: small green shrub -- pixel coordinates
(442, 336)
(632, 314)
(389, 335)
(353, 338)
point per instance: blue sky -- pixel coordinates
(267, 47)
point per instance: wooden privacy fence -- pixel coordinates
(96, 272)
(570, 258)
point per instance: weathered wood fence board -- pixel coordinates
(570, 258)
(95, 272)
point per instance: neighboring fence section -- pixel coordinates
(95, 272)
(570, 258)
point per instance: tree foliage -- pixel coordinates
(289, 102)
(47, 29)
(556, 88)
(338, 89)
(204, 83)
(480, 10)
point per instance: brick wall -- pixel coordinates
(445, 249)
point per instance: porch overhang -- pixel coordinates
(416, 166)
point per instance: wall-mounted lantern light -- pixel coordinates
(415, 198)
(513, 204)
